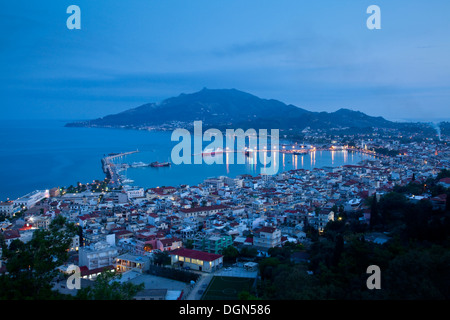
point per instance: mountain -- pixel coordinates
(231, 108)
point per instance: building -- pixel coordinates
(9, 208)
(30, 199)
(213, 183)
(40, 222)
(54, 192)
(267, 237)
(445, 182)
(128, 261)
(206, 210)
(169, 244)
(75, 245)
(98, 255)
(322, 219)
(134, 192)
(213, 243)
(10, 236)
(196, 260)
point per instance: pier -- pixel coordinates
(110, 168)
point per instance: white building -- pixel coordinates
(98, 255)
(30, 199)
(127, 262)
(40, 222)
(75, 245)
(323, 218)
(267, 237)
(134, 192)
(9, 208)
(213, 183)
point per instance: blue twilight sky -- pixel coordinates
(318, 55)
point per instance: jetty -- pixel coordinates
(110, 167)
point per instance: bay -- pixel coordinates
(42, 154)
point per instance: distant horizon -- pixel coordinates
(393, 119)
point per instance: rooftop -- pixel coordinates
(196, 254)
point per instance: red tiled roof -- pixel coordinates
(195, 254)
(169, 241)
(11, 234)
(266, 230)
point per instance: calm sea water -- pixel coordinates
(45, 154)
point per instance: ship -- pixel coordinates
(211, 152)
(157, 164)
(300, 152)
(139, 164)
(248, 152)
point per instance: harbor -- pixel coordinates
(112, 168)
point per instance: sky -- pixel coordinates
(318, 55)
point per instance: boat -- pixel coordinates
(248, 152)
(157, 164)
(211, 152)
(300, 152)
(139, 164)
(127, 181)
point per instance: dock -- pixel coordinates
(110, 168)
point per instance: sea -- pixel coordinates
(42, 154)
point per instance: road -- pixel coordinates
(201, 284)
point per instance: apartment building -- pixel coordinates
(267, 237)
(212, 243)
(128, 261)
(98, 255)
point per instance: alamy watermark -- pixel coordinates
(74, 20)
(74, 280)
(374, 281)
(256, 149)
(374, 21)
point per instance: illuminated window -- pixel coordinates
(181, 259)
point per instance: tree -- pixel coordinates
(189, 244)
(248, 252)
(267, 267)
(162, 258)
(106, 287)
(447, 201)
(230, 254)
(33, 265)
(374, 214)
(445, 173)
(338, 250)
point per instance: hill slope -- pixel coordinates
(230, 107)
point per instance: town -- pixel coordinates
(136, 232)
